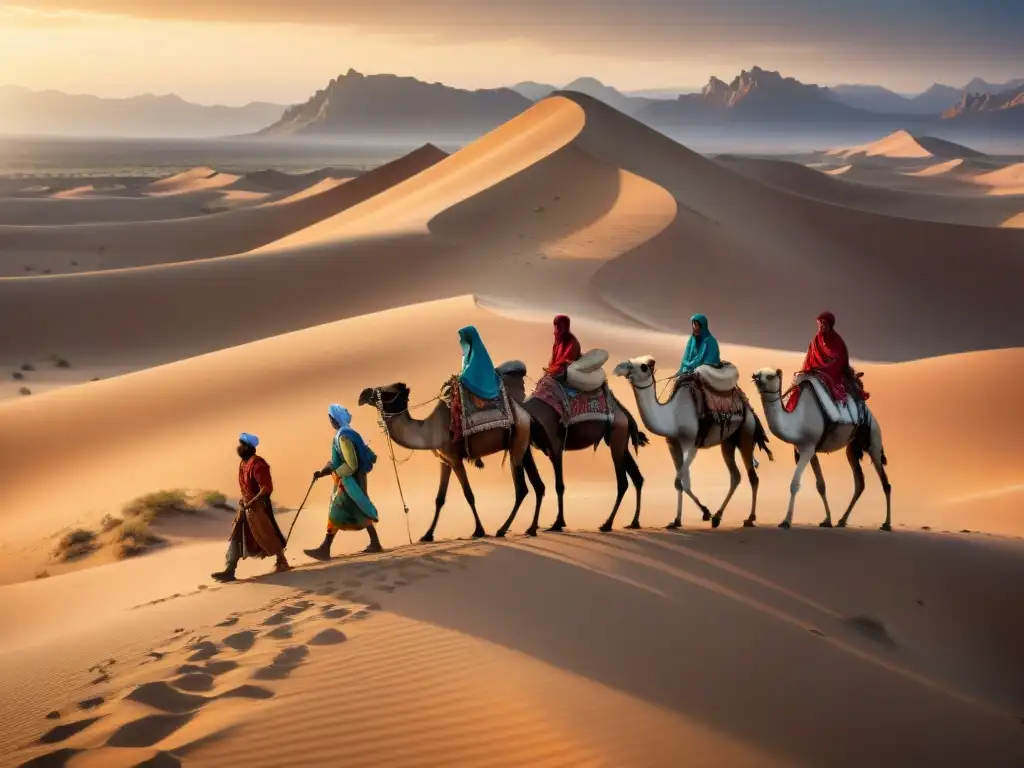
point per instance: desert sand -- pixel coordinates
(736, 646)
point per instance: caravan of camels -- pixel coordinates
(483, 410)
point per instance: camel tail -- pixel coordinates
(478, 463)
(636, 437)
(885, 461)
(761, 437)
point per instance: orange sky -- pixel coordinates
(213, 60)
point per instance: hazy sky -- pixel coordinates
(223, 51)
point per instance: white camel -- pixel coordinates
(807, 429)
(678, 423)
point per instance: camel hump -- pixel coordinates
(512, 368)
(721, 378)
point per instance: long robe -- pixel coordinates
(478, 374)
(351, 508)
(700, 350)
(257, 529)
(566, 349)
(828, 359)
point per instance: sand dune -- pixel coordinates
(580, 649)
(192, 180)
(1005, 181)
(904, 145)
(938, 168)
(120, 245)
(975, 211)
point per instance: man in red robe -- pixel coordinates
(566, 349)
(255, 532)
(828, 358)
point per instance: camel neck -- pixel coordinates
(417, 435)
(657, 417)
(780, 421)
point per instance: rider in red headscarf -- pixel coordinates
(566, 349)
(828, 358)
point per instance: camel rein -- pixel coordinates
(382, 420)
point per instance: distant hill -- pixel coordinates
(53, 113)
(357, 104)
(534, 91)
(934, 101)
(1006, 107)
(589, 86)
(754, 95)
(906, 146)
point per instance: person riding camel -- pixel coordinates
(828, 358)
(701, 349)
(477, 374)
(565, 351)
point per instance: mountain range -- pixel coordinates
(356, 104)
(23, 111)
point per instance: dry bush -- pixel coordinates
(74, 544)
(153, 505)
(214, 500)
(109, 523)
(134, 538)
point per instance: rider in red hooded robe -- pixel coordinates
(828, 358)
(566, 349)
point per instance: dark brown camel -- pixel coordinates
(549, 436)
(434, 434)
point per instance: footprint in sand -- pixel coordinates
(163, 697)
(284, 664)
(287, 613)
(194, 682)
(283, 632)
(333, 612)
(160, 760)
(203, 650)
(328, 637)
(230, 621)
(387, 588)
(215, 668)
(64, 732)
(92, 703)
(56, 759)
(241, 641)
(148, 731)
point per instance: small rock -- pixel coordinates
(27, 367)
(55, 715)
(24, 391)
(18, 376)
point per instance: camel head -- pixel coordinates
(768, 381)
(639, 371)
(394, 398)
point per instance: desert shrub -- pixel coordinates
(74, 544)
(152, 505)
(214, 500)
(134, 538)
(109, 523)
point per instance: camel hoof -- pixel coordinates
(784, 524)
(825, 524)
(531, 532)
(885, 527)
(479, 533)
(748, 523)
(606, 528)
(500, 533)
(841, 523)
(707, 514)
(555, 529)
(716, 521)
(427, 538)
(673, 525)
(634, 526)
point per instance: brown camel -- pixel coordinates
(434, 434)
(550, 437)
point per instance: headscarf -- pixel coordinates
(343, 419)
(478, 374)
(249, 439)
(828, 357)
(702, 350)
(340, 415)
(566, 349)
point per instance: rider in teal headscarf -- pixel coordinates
(701, 349)
(478, 374)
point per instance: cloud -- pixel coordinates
(988, 31)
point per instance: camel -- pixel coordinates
(807, 429)
(550, 436)
(434, 434)
(677, 421)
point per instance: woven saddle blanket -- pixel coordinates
(573, 406)
(470, 414)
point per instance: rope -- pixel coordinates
(384, 425)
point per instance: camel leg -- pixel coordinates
(676, 451)
(803, 458)
(442, 494)
(853, 455)
(538, 489)
(729, 454)
(460, 472)
(633, 470)
(689, 454)
(622, 485)
(747, 454)
(556, 465)
(819, 483)
(878, 459)
(519, 481)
